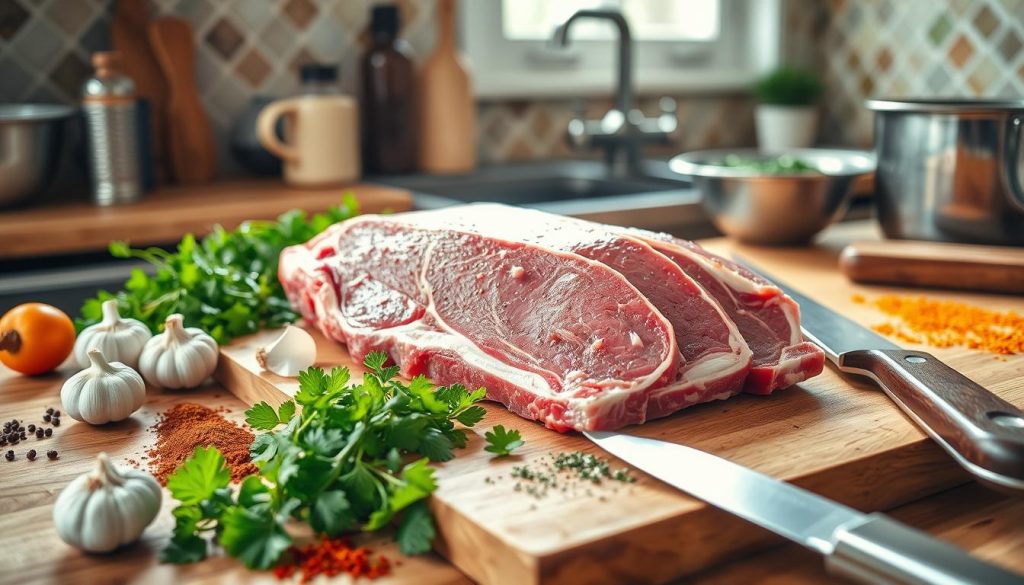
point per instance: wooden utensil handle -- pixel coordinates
(983, 432)
(934, 264)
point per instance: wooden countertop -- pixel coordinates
(166, 214)
(986, 523)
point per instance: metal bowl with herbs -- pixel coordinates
(774, 198)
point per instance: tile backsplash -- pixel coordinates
(908, 48)
(248, 47)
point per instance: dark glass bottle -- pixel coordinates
(388, 105)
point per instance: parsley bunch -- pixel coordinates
(225, 284)
(354, 457)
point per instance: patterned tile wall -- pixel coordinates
(248, 47)
(906, 48)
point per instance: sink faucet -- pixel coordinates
(623, 129)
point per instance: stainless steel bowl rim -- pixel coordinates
(945, 106)
(696, 163)
(34, 112)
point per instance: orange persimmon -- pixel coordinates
(35, 338)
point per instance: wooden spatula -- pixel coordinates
(129, 34)
(193, 154)
(935, 265)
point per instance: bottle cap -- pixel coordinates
(385, 19)
(318, 72)
(106, 60)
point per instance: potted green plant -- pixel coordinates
(787, 115)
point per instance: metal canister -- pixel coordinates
(110, 111)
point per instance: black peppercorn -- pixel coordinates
(56, 413)
(31, 455)
(49, 432)
(31, 428)
(46, 418)
(49, 411)
(9, 455)
(39, 433)
(51, 455)
(55, 422)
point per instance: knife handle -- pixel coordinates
(983, 432)
(881, 550)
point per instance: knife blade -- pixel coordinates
(870, 548)
(981, 431)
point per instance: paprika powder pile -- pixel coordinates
(187, 426)
(948, 323)
(331, 557)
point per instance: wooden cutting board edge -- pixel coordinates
(653, 551)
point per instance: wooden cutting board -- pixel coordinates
(835, 435)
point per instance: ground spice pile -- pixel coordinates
(949, 323)
(187, 426)
(331, 558)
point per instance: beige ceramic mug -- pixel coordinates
(321, 139)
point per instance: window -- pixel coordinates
(680, 45)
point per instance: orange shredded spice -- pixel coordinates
(949, 323)
(331, 557)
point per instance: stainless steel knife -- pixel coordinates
(870, 548)
(981, 431)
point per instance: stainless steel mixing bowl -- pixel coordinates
(31, 142)
(774, 209)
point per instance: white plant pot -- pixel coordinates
(783, 127)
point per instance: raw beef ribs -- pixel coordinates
(554, 336)
(768, 319)
(575, 324)
(713, 357)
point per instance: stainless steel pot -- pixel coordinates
(950, 170)
(30, 148)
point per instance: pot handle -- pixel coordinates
(1011, 161)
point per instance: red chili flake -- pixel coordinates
(331, 558)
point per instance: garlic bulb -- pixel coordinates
(120, 340)
(104, 392)
(293, 351)
(179, 357)
(107, 508)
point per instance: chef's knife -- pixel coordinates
(870, 548)
(983, 433)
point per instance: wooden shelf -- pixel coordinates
(166, 214)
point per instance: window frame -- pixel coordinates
(504, 68)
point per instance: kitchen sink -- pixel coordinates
(659, 199)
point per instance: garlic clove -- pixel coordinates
(289, 354)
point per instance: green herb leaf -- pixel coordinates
(331, 514)
(262, 417)
(286, 411)
(253, 536)
(502, 442)
(416, 531)
(185, 550)
(471, 415)
(199, 476)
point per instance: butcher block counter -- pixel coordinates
(979, 520)
(168, 213)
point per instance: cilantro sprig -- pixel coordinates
(226, 283)
(354, 456)
(502, 442)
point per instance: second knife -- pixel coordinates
(981, 431)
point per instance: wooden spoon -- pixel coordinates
(128, 32)
(193, 153)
